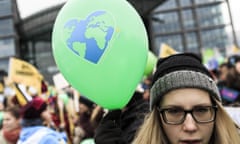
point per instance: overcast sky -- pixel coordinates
(235, 6)
(29, 7)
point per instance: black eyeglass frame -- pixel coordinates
(162, 112)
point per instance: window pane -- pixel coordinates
(4, 64)
(212, 15)
(215, 38)
(7, 47)
(185, 2)
(170, 4)
(192, 44)
(6, 27)
(168, 22)
(48, 66)
(5, 7)
(188, 21)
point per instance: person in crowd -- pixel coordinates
(59, 115)
(146, 87)
(119, 126)
(34, 113)
(212, 66)
(88, 119)
(185, 106)
(222, 72)
(11, 126)
(233, 76)
(2, 106)
(230, 87)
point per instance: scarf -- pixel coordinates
(12, 136)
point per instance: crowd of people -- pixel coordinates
(53, 116)
(182, 102)
(227, 77)
(185, 106)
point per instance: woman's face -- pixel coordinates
(46, 116)
(223, 73)
(189, 132)
(237, 65)
(10, 122)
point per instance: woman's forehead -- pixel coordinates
(186, 96)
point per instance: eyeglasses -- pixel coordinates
(177, 115)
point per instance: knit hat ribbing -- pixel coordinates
(181, 71)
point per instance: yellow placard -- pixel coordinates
(1, 88)
(25, 73)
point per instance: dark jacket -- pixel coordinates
(120, 126)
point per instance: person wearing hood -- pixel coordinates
(33, 115)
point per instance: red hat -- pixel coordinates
(34, 108)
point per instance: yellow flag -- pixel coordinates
(24, 73)
(235, 49)
(21, 94)
(166, 50)
(1, 88)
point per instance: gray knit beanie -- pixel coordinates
(181, 71)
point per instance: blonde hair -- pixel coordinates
(225, 131)
(150, 132)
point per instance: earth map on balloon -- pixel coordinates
(94, 33)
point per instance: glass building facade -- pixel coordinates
(8, 34)
(190, 25)
(35, 41)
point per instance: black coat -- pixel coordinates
(120, 126)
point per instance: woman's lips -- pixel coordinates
(190, 142)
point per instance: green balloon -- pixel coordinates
(100, 51)
(151, 62)
(88, 141)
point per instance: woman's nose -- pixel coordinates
(189, 124)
